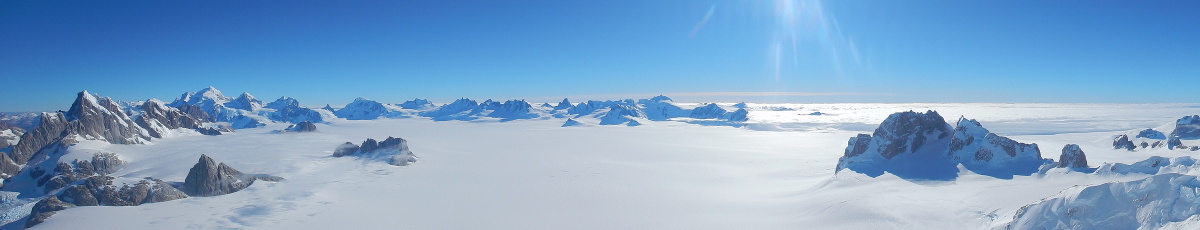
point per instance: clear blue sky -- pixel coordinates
(803, 51)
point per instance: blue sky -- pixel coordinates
(767, 51)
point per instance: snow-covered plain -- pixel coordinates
(777, 172)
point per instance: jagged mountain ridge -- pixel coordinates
(922, 146)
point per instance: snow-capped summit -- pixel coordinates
(102, 119)
(245, 102)
(205, 98)
(283, 102)
(361, 109)
(660, 98)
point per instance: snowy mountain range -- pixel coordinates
(80, 157)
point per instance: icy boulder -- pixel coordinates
(361, 109)
(1072, 157)
(1141, 204)
(984, 152)
(908, 144)
(392, 150)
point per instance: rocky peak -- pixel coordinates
(158, 119)
(660, 98)
(564, 104)
(49, 130)
(208, 178)
(1072, 157)
(100, 118)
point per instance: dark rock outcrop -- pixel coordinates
(392, 150)
(305, 126)
(209, 131)
(44, 209)
(346, 149)
(1122, 142)
(740, 115)
(196, 112)
(1072, 157)
(208, 178)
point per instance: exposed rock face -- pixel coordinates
(207, 178)
(195, 112)
(209, 131)
(158, 119)
(907, 144)
(101, 118)
(49, 130)
(923, 146)
(44, 209)
(1151, 134)
(305, 126)
(1187, 127)
(392, 150)
(1122, 142)
(984, 152)
(1072, 157)
(710, 111)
